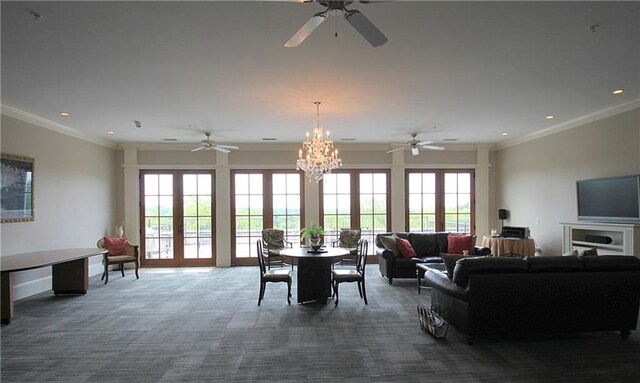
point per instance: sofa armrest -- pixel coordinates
(440, 281)
(482, 251)
(384, 253)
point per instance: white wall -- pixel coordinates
(536, 180)
(75, 197)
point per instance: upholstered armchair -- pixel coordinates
(349, 239)
(120, 251)
(274, 242)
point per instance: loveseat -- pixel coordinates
(501, 295)
(427, 246)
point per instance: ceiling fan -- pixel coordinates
(336, 8)
(414, 144)
(208, 144)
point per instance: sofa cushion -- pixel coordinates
(424, 244)
(457, 244)
(571, 253)
(472, 265)
(559, 263)
(592, 252)
(389, 243)
(611, 262)
(404, 248)
(450, 262)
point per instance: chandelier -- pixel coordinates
(318, 156)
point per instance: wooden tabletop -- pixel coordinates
(27, 261)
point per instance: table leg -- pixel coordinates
(71, 277)
(6, 285)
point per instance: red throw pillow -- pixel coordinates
(458, 243)
(405, 248)
(114, 245)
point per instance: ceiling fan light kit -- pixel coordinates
(336, 8)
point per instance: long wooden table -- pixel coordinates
(70, 272)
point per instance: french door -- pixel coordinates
(177, 216)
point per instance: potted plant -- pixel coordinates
(313, 235)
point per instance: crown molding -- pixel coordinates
(576, 122)
(44, 123)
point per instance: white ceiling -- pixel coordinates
(463, 70)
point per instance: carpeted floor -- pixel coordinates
(204, 325)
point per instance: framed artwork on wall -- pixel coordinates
(16, 197)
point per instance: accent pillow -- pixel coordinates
(572, 253)
(114, 245)
(450, 262)
(458, 243)
(389, 243)
(405, 248)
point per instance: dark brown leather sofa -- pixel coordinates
(427, 246)
(502, 295)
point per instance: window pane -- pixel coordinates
(190, 184)
(150, 184)
(380, 204)
(451, 203)
(151, 205)
(279, 184)
(255, 181)
(366, 183)
(293, 204)
(344, 204)
(166, 206)
(464, 183)
(166, 184)
(293, 183)
(329, 184)
(343, 183)
(204, 205)
(255, 205)
(451, 182)
(242, 184)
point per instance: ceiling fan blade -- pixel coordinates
(198, 149)
(425, 143)
(366, 28)
(228, 146)
(395, 150)
(220, 149)
(306, 30)
(433, 147)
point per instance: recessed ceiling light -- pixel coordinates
(110, 132)
(618, 91)
(64, 114)
(169, 139)
(348, 139)
(504, 133)
(268, 139)
(450, 139)
(550, 117)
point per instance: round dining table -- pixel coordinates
(314, 271)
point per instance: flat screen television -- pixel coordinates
(612, 199)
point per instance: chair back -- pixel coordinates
(363, 247)
(261, 262)
(273, 238)
(349, 238)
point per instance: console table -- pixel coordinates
(70, 272)
(504, 246)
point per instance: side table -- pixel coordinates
(422, 268)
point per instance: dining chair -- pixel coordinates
(280, 275)
(274, 242)
(119, 252)
(352, 275)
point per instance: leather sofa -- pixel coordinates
(501, 295)
(427, 246)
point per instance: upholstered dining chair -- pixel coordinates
(274, 242)
(120, 251)
(352, 275)
(349, 239)
(280, 275)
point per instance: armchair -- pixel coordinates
(274, 242)
(120, 251)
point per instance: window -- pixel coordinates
(355, 199)
(264, 199)
(440, 200)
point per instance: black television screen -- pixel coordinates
(614, 199)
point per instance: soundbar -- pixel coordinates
(598, 239)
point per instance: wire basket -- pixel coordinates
(432, 321)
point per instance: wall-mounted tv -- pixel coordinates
(612, 199)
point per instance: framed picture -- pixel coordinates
(16, 197)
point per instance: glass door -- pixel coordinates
(177, 218)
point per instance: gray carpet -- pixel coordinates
(199, 325)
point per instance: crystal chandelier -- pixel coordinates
(318, 156)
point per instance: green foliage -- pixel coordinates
(312, 231)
